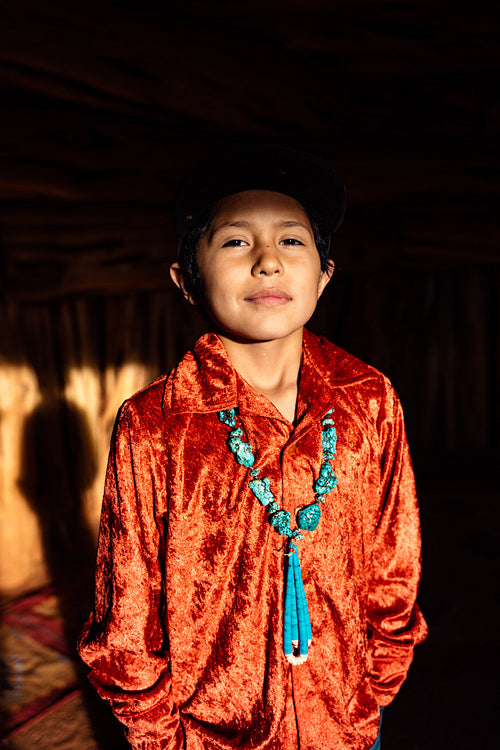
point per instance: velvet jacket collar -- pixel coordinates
(206, 381)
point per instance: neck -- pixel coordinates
(270, 367)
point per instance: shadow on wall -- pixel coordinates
(58, 466)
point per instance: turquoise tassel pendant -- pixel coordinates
(297, 631)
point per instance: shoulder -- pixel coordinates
(339, 366)
(181, 391)
(144, 410)
(362, 388)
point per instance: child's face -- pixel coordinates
(260, 267)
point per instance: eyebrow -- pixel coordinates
(295, 224)
(246, 224)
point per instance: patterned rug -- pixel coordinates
(46, 702)
(37, 669)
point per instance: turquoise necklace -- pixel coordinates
(297, 632)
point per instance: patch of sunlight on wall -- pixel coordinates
(21, 561)
(98, 395)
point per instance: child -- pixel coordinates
(265, 444)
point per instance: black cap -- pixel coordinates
(304, 176)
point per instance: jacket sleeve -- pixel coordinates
(123, 640)
(395, 624)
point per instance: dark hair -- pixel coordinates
(188, 246)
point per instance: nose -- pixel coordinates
(267, 261)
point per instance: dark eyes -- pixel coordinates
(288, 242)
(291, 241)
(234, 243)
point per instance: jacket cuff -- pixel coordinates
(138, 741)
(389, 668)
(150, 744)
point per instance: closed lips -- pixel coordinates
(269, 297)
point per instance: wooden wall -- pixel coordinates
(104, 107)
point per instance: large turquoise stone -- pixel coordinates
(261, 488)
(308, 517)
(281, 521)
(242, 451)
(326, 480)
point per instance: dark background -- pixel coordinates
(106, 105)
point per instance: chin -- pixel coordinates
(261, 334)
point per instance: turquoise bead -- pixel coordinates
(304, 623)
(296, 622)
(227, 416)
(281, 521)
(290, 621)
(242, 451)
(308, 517)
(261, 490)
(326, 480)
(329, 441)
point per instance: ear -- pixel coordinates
(325, 277)
(177, 276)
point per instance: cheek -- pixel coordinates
(217, 294)
(312, 281)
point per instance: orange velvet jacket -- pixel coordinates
(185, 640)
